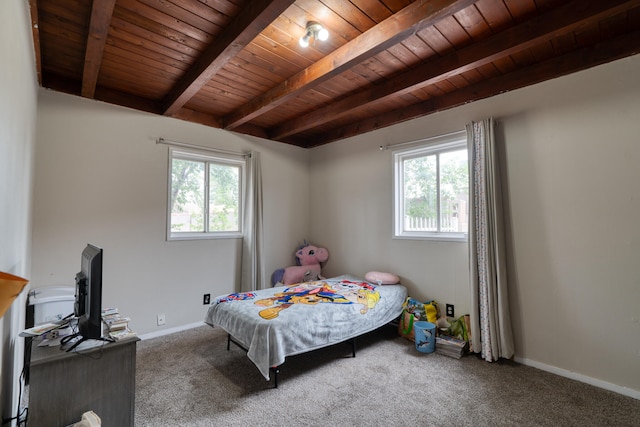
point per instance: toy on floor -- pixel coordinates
(308, 268)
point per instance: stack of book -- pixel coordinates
(450, 346)
(117, 326)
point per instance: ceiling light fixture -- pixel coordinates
(315, 30)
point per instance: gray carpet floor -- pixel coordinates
(190, 379)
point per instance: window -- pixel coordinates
(432, 189)
(205, 195)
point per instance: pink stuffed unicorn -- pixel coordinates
(308, 258)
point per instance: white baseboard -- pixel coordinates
(170, 331)
(582, 378)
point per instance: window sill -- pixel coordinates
(203, 236)
(439, 237)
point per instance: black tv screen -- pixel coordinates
(88, 299)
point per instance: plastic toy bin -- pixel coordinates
(49, 304)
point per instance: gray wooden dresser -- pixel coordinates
(62, 386)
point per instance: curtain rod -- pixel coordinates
(419, 141)
(200, 147)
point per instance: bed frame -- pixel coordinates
(275, 370)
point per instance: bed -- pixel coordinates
(272, 324)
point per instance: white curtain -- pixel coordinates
(251, 276)
(491, 332)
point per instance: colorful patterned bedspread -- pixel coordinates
(282, 321)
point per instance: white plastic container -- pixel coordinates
(51, 303)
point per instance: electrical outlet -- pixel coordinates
(450, 311)
(161, 319)
(206, 299)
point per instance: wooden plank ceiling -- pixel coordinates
(237, 64)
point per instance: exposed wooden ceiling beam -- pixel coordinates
(197, 117)
(33, 6)
(66, 85)
(254, 18)
(413, 18)
(101, 13)
(128, 100)
(568, 17)
(574, 61)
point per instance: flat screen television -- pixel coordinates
(88, 302)
(87, 307)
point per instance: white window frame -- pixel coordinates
(209, 158)
(440, 144)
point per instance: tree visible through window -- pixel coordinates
(205, 195)
(432, 189)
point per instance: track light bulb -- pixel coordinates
(304, 40)
(315, 30)
(323, 34)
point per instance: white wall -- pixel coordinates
(352, 215)
(17, 135)
(575, 203)
(571, 151)
(101, 178)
